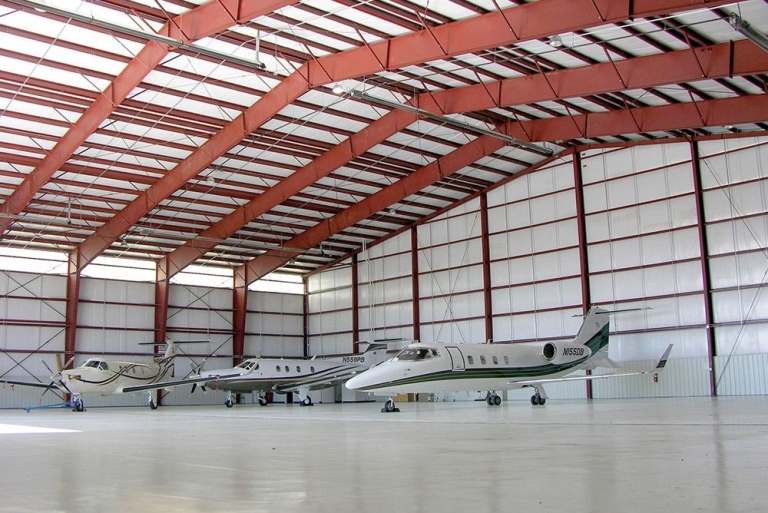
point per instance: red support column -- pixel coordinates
(72, 302)
(415, 282)
(305, 282)
(581, 227)
(162, 289)
(239, 310)
(486, 263)
(705, 277)
(356, 306)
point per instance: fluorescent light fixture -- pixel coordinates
(141, 34)
(741, 25)
(555, 41)
(541, 150)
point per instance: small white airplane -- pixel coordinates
(98, 376)
(434, 367)
(279, 375)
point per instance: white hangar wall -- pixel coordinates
(115, 315)
(678, 229)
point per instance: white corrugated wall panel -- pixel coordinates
(741, 339)
(682, 377)
(742, 374)
(471, 331)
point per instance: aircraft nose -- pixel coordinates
(356, 382)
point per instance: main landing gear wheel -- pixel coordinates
(263, 401)
(229, 402)
(536, 399)
(152, 405)
(77, 404)
(493, 399)
(307, 401)
(389, 407)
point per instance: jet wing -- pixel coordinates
(322, 380)
(36, 384)
(658, 368)
(175, 383)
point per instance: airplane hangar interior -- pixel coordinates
(384, 255)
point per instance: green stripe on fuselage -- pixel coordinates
(595, 344)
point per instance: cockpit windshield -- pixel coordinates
(96, 364)
(248, 365)
(416, 354)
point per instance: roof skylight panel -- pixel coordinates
(643, 98)
(357, 16)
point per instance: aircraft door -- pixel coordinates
(457, 359)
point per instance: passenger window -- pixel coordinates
(298, 369)
(287, 369)
(278, 368)
(495, 361)
(482, 359)
(311, 369)
(470, 360)
(506, 360)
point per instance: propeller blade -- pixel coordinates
(58, 362)
(68, 362)
(194, 387)
(47, 367)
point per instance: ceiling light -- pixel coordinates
(555, 41)
(210, 181)
(337, 89)
(535, 148)
(741, 25)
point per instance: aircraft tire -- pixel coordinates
(229, 403)
(489, 400)
(389, 407)
(307, 401)
(152, 405)
(262, 401)
(497, 400)
(78, 405)
(533, 400)
(542, 401)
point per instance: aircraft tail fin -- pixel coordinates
(594, 330)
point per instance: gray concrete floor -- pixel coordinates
(690, 454)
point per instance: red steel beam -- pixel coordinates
(200, 22)
(690, 65)
(701, 114)
(525, 22)
(322, 166)
(427, 175)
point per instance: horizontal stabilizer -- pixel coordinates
(657, 368)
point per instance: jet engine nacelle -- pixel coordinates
(565, 352)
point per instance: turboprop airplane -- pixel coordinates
(434, 367)
(263, 375)
(98, 376)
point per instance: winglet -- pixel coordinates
(663, 360)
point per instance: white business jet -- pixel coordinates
(434, 367)
(98, 376)
(278, 375)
